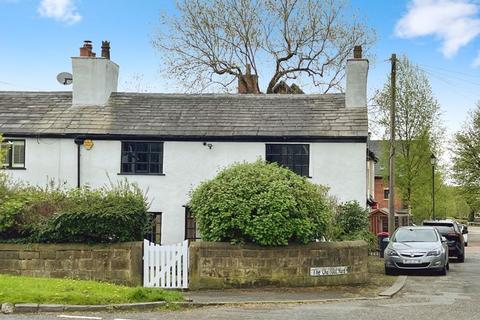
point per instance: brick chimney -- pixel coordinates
(357, 73)
(106, 49)
(248, 83)
(94, 78)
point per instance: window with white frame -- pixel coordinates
(14, 154)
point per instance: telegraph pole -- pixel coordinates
(391, 173)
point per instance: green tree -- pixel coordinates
(466, 160)
(417, 135)
(211, 42)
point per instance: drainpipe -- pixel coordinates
(78, 141)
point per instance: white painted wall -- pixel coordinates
(341, 166)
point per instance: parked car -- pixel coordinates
(416, 248)
(464, 230)
(450, 230)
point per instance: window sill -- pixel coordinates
(12, 168)
(140, 174)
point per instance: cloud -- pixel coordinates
(476, 62)
(60, 10)
(454, 22)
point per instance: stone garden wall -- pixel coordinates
(119, 263)
(216, 265)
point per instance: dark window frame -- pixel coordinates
(155, 234)
(386, 192)
(302, 169)
(191, 233)
(148, 163)
(9, 165)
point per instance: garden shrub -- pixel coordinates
(260, 203)
(115, 214)
(352, 223)
(53, 214)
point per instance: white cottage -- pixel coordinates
(169, 143)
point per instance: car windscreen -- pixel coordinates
(415, 235)
(443, 228)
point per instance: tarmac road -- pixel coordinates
(455, 296)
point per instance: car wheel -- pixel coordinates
(466, 244)
(448, 265)
(390, 271)
(443, 272)
(461, 257)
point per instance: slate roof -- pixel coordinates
(377, 148)
(182, 115)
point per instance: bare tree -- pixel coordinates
(212, 41)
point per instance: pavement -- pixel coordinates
(455, 296)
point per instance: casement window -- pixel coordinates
(292, 156)
(142, 157)
(386, 193)
(14, 154)
(191, 232)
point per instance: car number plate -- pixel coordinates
(412, 261)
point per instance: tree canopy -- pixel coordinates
(466, 159)
(211, 42)
(417, 136)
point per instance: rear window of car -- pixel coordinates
(415, 235)
(443, 228)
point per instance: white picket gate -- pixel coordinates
(165, 266)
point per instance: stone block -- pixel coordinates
(26, 255)
(26, 307)
(119, 264)
(7, 308)
(48, 254)
(8, 254)
(51, 307)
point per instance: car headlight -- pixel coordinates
(435, 253)
(391, 253)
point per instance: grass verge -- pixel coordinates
(19, 289)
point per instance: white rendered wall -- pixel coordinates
(48, 160)
(341, 166)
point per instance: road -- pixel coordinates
(455, 296)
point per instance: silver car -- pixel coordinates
(416, 248)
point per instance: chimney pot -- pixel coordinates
(357, 52)
(106, 49)
(248, 83)
(86, 50)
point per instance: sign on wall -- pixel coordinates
(328, 271)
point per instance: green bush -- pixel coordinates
(115, 214)
(352, 223)
(53, 214)
(261, 203)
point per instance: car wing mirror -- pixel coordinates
(444, 239)
(464, 231)
(386, 239)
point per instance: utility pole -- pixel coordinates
(391, 173)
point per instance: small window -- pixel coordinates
(292, 156)
(155, 234)
(14, 154)
(142, 157)
(191, 232)
(385, 194)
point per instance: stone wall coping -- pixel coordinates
(312, 245)
(69, 246)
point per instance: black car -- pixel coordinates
(450, 230)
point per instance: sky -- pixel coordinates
(38, 37)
